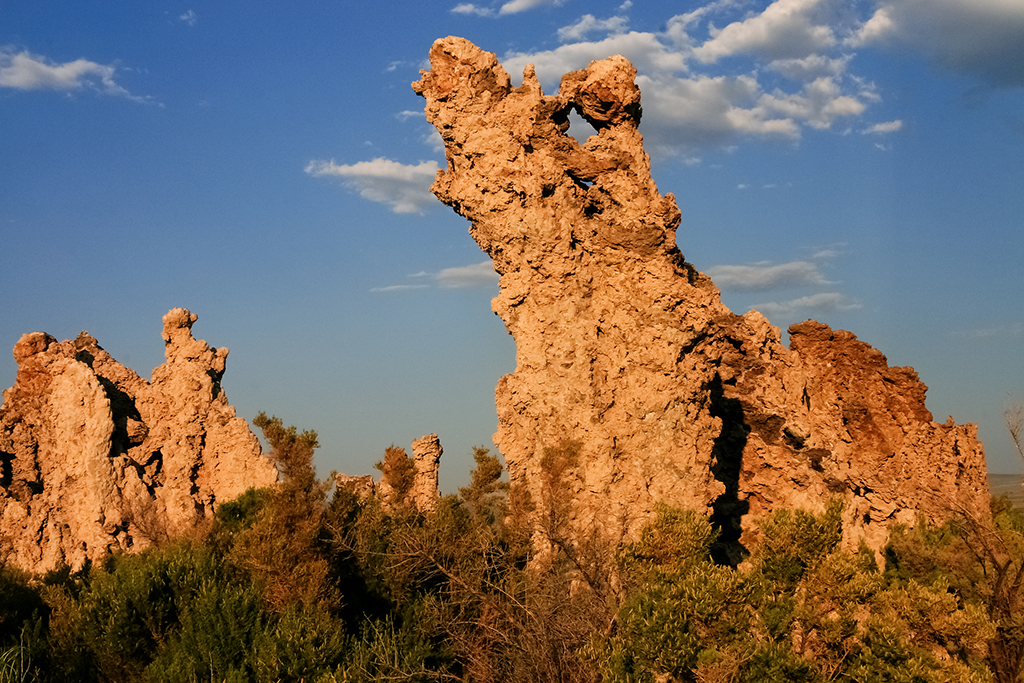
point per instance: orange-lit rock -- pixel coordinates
(426, 455)
(624, 347)
(94, 458)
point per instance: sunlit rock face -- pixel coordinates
(93, 458)
(426, 454)
(626, 349)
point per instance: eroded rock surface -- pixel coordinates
(94, 458)
(626, 349)
(426, 455)
(404, 479)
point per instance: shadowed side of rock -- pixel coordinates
(95, 458)
(828, 417)
(624, 348)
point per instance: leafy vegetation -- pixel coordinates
(308, 581)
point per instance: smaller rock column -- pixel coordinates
(426, 453)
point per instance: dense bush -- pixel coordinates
(803, 610)
(301, 583)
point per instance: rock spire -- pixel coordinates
(625, 349)
(93, 458)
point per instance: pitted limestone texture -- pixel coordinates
(94, 458)
(625, 348)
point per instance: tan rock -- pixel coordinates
(625, 348)
(362, 487)
(96, 459)
(426, 454)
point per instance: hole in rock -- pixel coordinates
(579, 128)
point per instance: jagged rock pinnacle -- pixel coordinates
(625, 348)
(93, 458)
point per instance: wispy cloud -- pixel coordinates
(694, 100)
(516, 6)
(477, 275)
(883, 128)
(811, 67)
(982, 37)
(25, 71)
(399, 288)
(722, 74)
(470, 8)
(433, 140)
(510, 7)
(823, 302)
(647, 53)
(588, 24)
(803, 276)
(1001, 330)
(405, 188)
(767, 275)
(189, 18)
(787, 29)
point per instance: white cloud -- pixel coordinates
(189, 18)
(755, 121)
(398, 288)
(644, 50)
(684, 114)
(405, 188)
(410, 114)
(433, 140)
(511, 7)
(985, 37)
(766, 275)
(820, 103)
(883, 128)
(686, 111)
(879, 27)
(515, 6)
(470, 8)
(810, 67)
(785, 30)
(476, 275)
(992, 331)
(589, 24)
(822, 302)
(827, 252)
(692, 102)
(802, 275)
(678, 27)
(25, 71)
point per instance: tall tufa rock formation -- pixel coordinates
(93, 458)
(626, 350)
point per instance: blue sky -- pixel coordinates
(266, 165)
